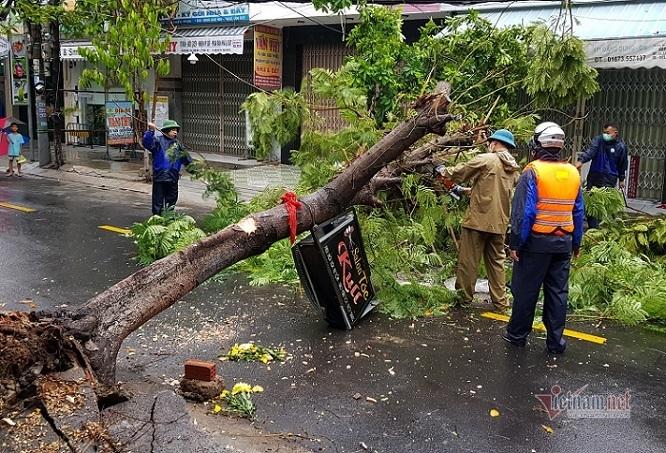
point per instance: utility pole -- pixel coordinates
(39, 90)
(54, 95)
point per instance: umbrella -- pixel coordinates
(5, 122)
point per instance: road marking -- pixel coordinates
(115, 229)
(539, 326)
(16, 207)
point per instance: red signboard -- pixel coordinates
(634, 165)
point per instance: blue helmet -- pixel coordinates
(503, 136)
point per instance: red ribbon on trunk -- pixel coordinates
(292, 205)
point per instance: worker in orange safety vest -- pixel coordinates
(546, 230)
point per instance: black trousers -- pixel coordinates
(165, 195)
(530, 273)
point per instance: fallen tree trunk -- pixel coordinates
(106, 320)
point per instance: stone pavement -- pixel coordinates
(93, 168)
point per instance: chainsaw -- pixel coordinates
(455, 191)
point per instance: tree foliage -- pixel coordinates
(160, 236)
(411, 237)
(128, 39)
(603, 203)
(274, 119)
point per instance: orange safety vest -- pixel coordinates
(558, 185)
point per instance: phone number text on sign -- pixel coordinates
(620, 58)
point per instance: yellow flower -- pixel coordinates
(265, 358)
(224, 394)
(257, 389)
(241, 387)
(217, 409)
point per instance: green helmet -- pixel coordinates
(170, 124)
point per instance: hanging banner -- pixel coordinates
(627, 53)
(212, 12)
(19, 71)
(119, 122)
(161, 109)
(267, 57)
(211, 44)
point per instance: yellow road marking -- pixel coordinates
(16, 207)
(115, 229)
(539, 326)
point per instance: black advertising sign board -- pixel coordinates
(334, 270)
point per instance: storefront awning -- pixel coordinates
(209, 40)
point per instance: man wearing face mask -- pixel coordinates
(493, 176)
(609, 157)
(168, 158)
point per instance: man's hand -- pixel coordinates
(514, 256)
(578, 165)
(152, 126)
(622, 185)
(576, 254)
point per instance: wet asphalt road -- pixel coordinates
(434, 381)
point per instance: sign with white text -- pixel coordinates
(211, 12)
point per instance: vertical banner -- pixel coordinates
(267, 57)
(19, 70)
(634, 167)
(119, 122)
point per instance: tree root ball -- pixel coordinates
(28, 349)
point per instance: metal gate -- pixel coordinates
(201, 105)
(212, 97)
(635, 99)
(327, 56)
(234, 93)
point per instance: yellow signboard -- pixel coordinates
(267, 57)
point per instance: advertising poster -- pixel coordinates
(161, 110)
(267, 57)
(19, 70)
(119, 122)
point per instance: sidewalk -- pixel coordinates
(92, 168)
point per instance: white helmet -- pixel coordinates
(551, 137)
(542, 126)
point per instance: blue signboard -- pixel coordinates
(211, 12)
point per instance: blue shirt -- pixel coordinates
(15, 141)
(161, 147)
(523, 216)
(608, 158)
